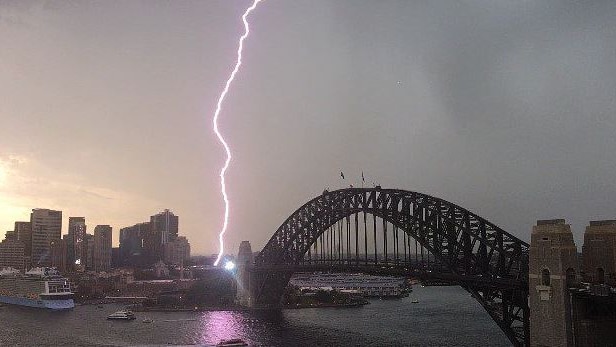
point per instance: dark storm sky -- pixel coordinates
(507, 108)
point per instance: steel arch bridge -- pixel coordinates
(487, 261)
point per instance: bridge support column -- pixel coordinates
(553, 260)
(261, 289)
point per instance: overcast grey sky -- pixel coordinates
(507, 108)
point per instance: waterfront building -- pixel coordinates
(12, 254)
(76, 242)
(165, 225)
(46, 227)
(160, 270)
(59, 255)
(102, 248)
(599, 252)
(177, 251)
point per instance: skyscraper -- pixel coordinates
(58, 250)
(76, 242)
(12, 253)
(102, 248)
(46, 227)
(88, 242)
(24, 234)
(132, 244)
(165, 226)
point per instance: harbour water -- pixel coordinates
(444, 316)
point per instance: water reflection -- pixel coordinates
(250, 326)
(222, 325)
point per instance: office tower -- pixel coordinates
(59, 255)
(102, 248)
(115, 258)
(24, 234)
(76, 242)
(89, 251)
(165, 226)
(12, 254)
(46, 227)
(131, 244)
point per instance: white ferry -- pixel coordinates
(122, 315)
(39, 287)
(366, 285)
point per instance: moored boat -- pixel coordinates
(231, 343)
(41, 287)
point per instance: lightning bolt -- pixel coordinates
(223, 187)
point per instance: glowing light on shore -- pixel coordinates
(229, 265)
(219, 135)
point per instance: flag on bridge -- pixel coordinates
(362, 177)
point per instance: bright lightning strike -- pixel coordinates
(220, 138)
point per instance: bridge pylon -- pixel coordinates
(552, 268)
(261, 289)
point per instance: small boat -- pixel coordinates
(99, 306)
(148, 320)
(231, 343)
(414, 301)
(122, 315)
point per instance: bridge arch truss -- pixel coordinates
(489, 263)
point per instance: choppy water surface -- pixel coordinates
(444, 316)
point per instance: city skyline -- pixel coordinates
(506, 109)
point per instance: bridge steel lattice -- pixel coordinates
(490, 263)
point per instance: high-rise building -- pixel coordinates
(12, 254)
(152, 247)
(163, 229)
(89, 253)
(177, 251)
(59, 255)
(115, 258)
(165, 226)
(131, 244)
(10, 235)
(102, 248)
(46, 227)
(24, 234)
(76, 242)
